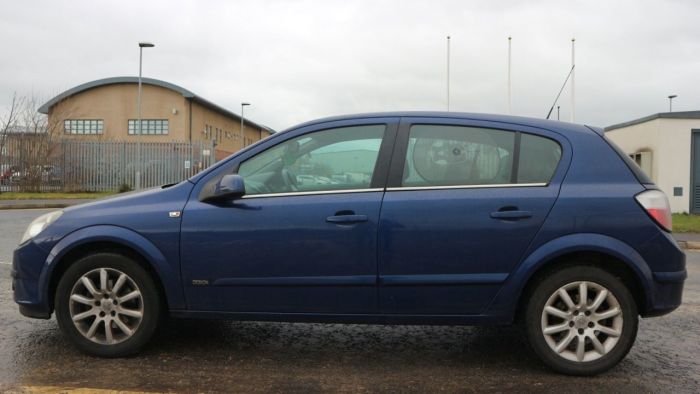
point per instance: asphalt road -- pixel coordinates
(216, 356)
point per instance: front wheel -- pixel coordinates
(107, 305)
(581, 320)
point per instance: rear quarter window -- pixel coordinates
(539, 158)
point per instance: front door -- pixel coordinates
(304, 237)
(464, 201)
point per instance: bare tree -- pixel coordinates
(8, 124)
(32, 143)
(9, 118)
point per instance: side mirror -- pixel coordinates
(230, 187)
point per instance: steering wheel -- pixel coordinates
(289, 179)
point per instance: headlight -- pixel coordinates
(39, 224)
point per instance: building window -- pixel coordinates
(643, 160)
(83, 126)
(207, 131)
(149, 126)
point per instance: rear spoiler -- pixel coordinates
(598, 130)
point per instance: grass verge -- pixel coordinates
(686, 223)
(52, 196)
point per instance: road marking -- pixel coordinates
(74, 390)
(4, 263)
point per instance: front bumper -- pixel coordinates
(27, 264)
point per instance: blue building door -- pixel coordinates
(695, 172)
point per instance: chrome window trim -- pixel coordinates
(313, 193)
(482, 186)
(392, 189)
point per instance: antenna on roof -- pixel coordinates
(560, 90)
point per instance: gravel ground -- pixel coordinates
(220, 356)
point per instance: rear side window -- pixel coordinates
(440, 155)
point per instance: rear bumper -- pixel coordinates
(667, 292)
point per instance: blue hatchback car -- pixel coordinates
(391, 218)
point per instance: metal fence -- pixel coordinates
(27, 164)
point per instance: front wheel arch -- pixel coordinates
(83, 250)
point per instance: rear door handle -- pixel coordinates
(511, 215)
(346, 219)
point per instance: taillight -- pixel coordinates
(657, 206)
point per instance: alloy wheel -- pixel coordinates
(582, 321)
(106, 306)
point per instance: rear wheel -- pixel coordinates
(107, 305)
(581, 320)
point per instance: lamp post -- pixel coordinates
(573, 81)
(448, 73)
(243, 105)
(670, 102)
(138, 121)
(510, 100)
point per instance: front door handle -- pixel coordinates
(511, 215)
(346, 219)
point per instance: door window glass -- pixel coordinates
(334, 159)
(455, 155)
(441, 155)
(539, 158)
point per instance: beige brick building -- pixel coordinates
(106, 109)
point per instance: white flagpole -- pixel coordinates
(573, 81)
(448, 73)
(510, 100)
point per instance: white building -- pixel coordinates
(667, 147)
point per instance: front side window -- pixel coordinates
(440, 155)
(334, 159)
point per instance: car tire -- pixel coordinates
(557, 323)
(107, 305)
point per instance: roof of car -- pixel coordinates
(519, 120)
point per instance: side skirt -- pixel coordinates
(345, 319)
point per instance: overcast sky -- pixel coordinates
(299, 60)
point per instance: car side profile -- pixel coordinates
(389, 218)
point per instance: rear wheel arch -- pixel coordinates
(605, 261)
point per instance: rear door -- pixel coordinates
(465, 198)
